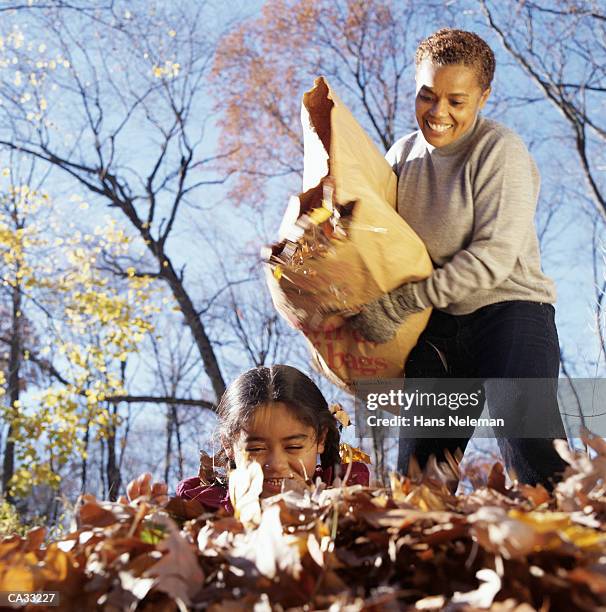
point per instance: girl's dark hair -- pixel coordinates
(278, 383)
(448, 46)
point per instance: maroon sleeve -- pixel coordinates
(212, 497)
(359, 474)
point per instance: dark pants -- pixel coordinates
(506, 340)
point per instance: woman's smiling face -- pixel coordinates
(448, 100)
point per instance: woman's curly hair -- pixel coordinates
(448, 46)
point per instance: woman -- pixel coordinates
(468, 186)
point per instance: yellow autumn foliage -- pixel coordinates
(99, 323)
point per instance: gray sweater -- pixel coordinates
(473, 203)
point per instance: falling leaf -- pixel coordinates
(340, 415)
(349, 454)
(245, 487)
(207, 471)
(319, 215)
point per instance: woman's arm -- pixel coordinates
(505, 184)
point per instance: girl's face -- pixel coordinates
(449, 99)
(284, 446)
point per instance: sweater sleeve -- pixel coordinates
(505, 193)
(359, 473)
(212, 497)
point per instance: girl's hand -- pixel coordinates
(143, 488)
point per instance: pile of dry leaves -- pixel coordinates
(412, 546)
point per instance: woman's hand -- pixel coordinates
(379, 320)
(143, 488)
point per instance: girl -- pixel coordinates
(468, 186)
(279, 418)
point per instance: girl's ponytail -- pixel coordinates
(331, 456)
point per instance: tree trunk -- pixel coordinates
(207, 353)
(84, 465)
(114, 481)
(102, 470)
(14, 364)
(169, 440)
(179, 444)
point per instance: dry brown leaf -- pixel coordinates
(560, 524)
(185, 509)
(339, 413)
(18, 576)
(402, 517)
(209, 467)
(424, 498)
(497, 533)
(593, 576)
(177, 573)
(496, 478)
(537, 495)
(354, 547)
(93, 513)
(34, 539)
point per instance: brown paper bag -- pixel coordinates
(323, 271)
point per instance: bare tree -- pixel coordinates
(129, 132)
(262, 67)
(562, 48)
